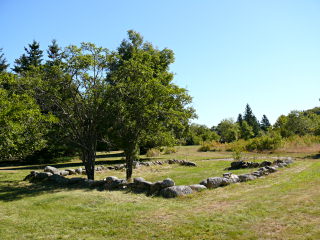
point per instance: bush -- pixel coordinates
(153, 152)
(265, 143)
(169, 150)
(205, 147)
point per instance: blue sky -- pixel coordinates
(228, 53)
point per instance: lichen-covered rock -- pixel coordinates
(175, 191)
(214, 182)
(197, 187)
(232, 178)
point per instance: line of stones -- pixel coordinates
(165, 188)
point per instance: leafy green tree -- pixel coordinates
(251, 119)
(228, 130)
(265, 124)
(145, 102)
(76, 93)
(3, 62)
(32, 58)
(22, 123)
(200, 133)
(246, 131)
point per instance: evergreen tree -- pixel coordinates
(239, 119)
(32, 57)
(54, 53)
(265, 124)
(251, 119)
(3, 62)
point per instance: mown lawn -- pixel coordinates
(283, 205)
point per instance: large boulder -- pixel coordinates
(175, 191)
(214, 182)
(53, 170)
(43, 175)
(79, 170)
(271, 169)
(238, 165)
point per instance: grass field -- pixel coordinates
(283, 205)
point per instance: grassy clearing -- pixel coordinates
(284, 205)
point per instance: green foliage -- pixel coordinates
(22, 123)
(251, 119)
(246, 131)
(269, 142)
(153, 152)
(32, 58)
(205, 146)
(265, 124)
(3, 62)
(199, 133)
(169, 150)
(228, 130)
(145, 102)
(298, 123)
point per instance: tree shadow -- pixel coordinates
(314, 156)
(15, 190)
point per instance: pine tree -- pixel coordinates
(265, 124)
(251, 119)
(239, 119)
(32, 57)
(3, 62)
(54, 53)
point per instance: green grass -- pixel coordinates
(283, 205)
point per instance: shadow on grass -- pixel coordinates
(15, 190)
(314, 156)
(64, 165)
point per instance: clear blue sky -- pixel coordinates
(228, 53)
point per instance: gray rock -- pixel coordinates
(246, 177)
(197, 187)
(265, 163)
(64, 173)
(168, 182)
(175, 191)
(58, 179)
(77, 180)
(271, 169)
(53, 170)
(112, 183)
(155, 188)
(141, 185)
(79, 170)
(71, 171)
(214, 182)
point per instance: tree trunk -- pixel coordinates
(131, 153)
(88, 158)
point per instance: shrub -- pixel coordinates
(170, 150)
(265, 143)
(205, 147)
(153, 152)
